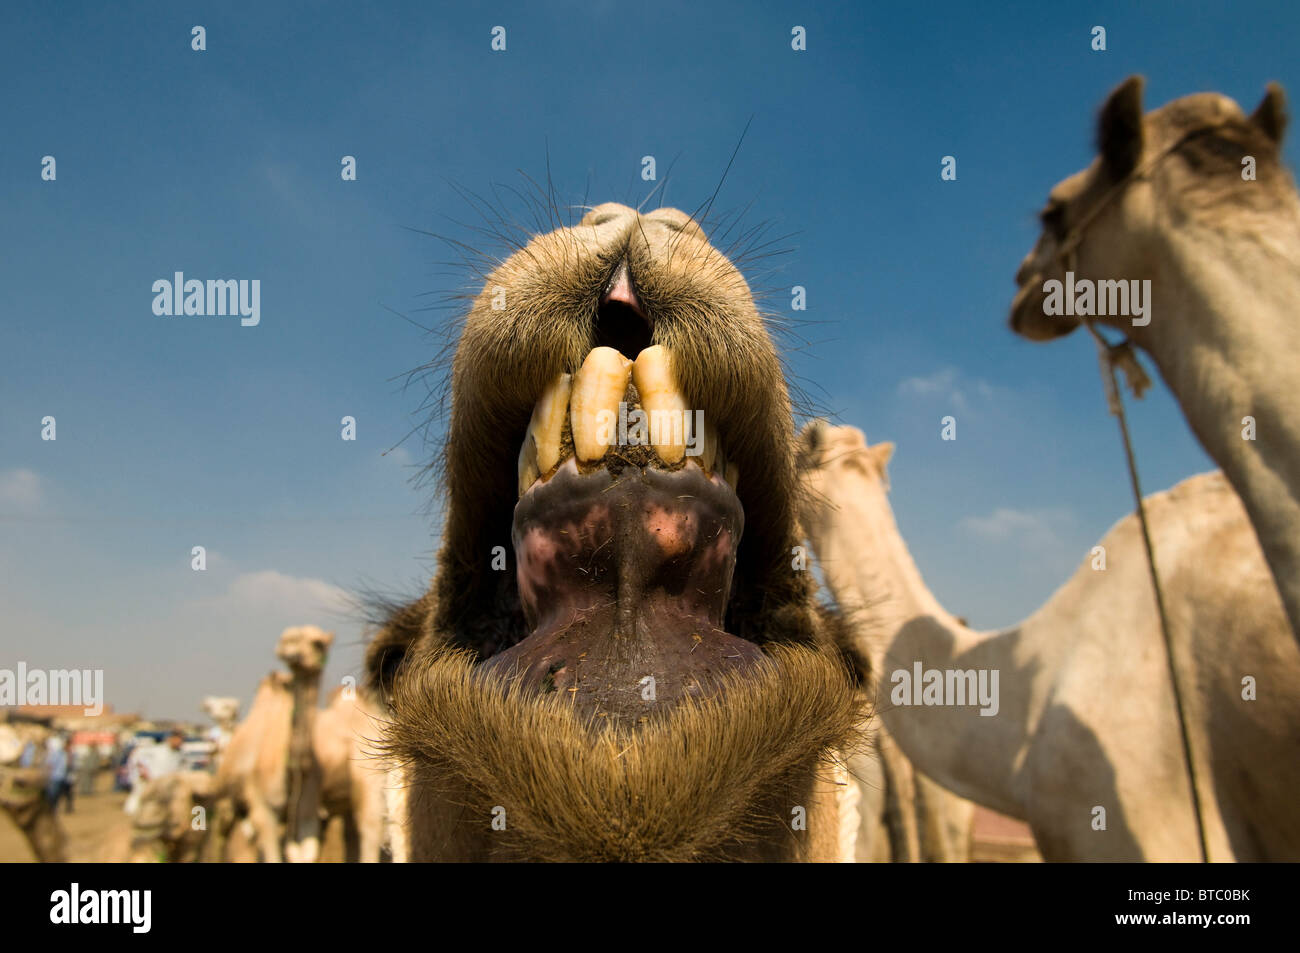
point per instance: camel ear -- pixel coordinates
(1119, 129)
(880, 454)
(1270, 114)
(809, 443)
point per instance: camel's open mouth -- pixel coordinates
(619, 419)
(626, 530)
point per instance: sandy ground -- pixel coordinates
(96, 821)
(98, 830)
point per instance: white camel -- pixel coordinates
(1084, 745)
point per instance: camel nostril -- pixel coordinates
(621, 319)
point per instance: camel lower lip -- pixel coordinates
(624, 580)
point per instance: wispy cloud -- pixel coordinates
(273, 591)
(20, 490)
(399, 456)
(1037, 530)
(949, 385)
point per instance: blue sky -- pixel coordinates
(175, 432)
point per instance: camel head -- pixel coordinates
(615, 597)
(223, 711)
(1174, 169)
(304, 649)
(826, 453)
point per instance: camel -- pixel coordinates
(224, 712)
(1194, 198)
(1084, 745)
(269, 774)
(251, 777)
(335, 771)
(22, 797)
(166, 826)
(615, 659)
(304, 649)
(352, 781)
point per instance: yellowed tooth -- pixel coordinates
(598, 386)
(708, 448)
(527, 464)
(732, 476)
(662, 401)
(548, 421)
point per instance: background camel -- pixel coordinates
(1085, 715)
(304, 649)
(335, 772)
(224, 712)
(269, 773)
(1171, 198)
(353, 779)
(22, 797)
(251, 778)
(166, 827)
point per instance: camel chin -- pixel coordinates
(615, 611)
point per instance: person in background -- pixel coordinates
(88, 770)
(150, 761)
(58, 783)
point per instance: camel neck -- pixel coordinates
(901, 626)
(1225, 314)
(306, 693)
(1225, 333)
